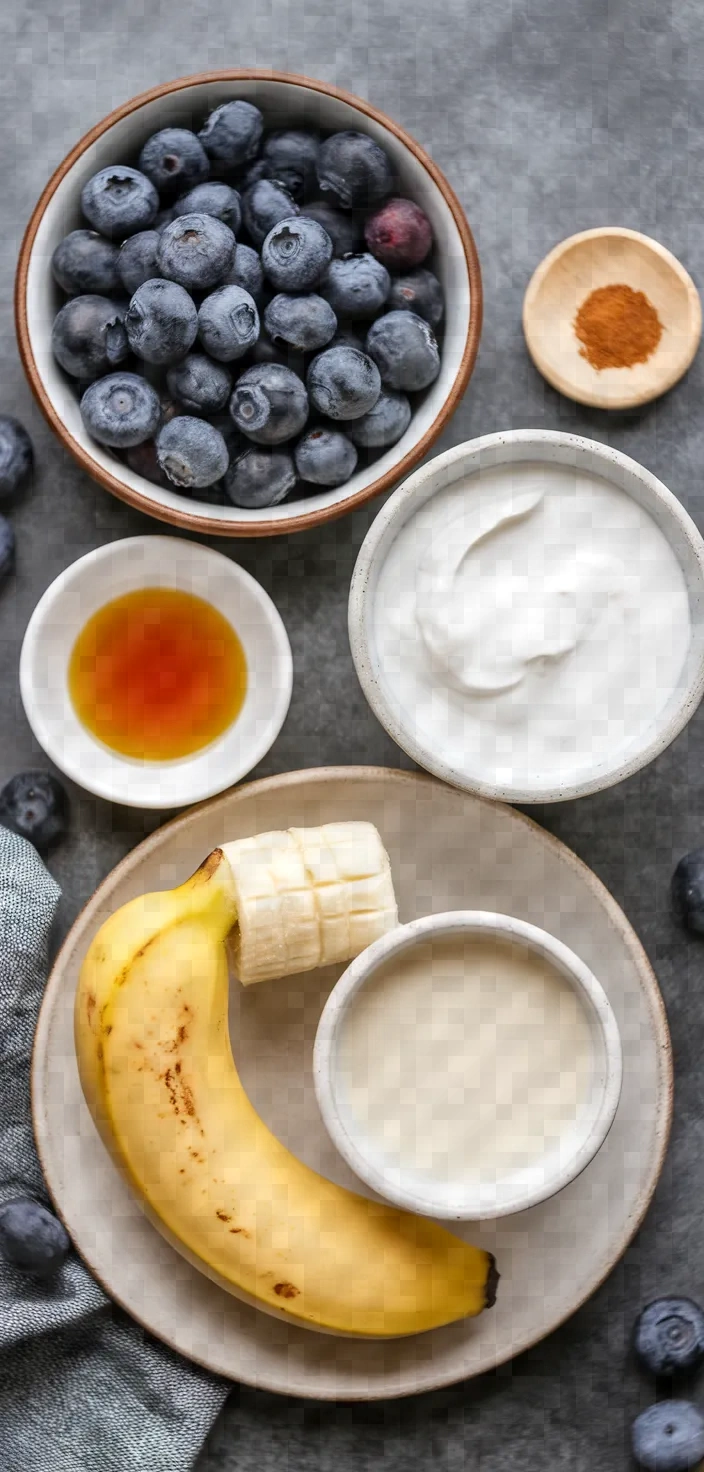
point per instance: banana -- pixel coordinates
(160, 1081)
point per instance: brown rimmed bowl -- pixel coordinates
(286, 100)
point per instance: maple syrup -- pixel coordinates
(157, 674)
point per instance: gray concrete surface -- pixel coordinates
(548, 116)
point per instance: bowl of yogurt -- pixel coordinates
(468, 1065)
(526, 616)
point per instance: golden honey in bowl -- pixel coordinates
(157, 674)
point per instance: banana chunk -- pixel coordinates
(308, 897)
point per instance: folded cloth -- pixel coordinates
(82, 1387)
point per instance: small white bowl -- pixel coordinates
(124, 567)
(515, 448)
(522, 1189)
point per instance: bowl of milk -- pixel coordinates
(468, 1065)
(526, 616)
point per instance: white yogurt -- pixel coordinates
(532, 621)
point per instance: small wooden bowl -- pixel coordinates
(563, 281)
(286, 100)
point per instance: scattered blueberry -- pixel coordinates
(16, 456)
(246, 271)
(384, 424)
(355, 169)
(197, 251)
(232, 134)
(119, 202)
(258, 477)
(31, 1237)
(192, 452)
(35, 805)
(352, 334)
(304, 322)
(669, 1437)
(214, 199)
(199, 384)
(161, 322)
(688, 890)
(266, 351)
(290, 156)
(228, 323)
(174, 160)
(121, 410)
(88, 337)
(405, 351)
(325, 457)
(137, 260)
(296, 254)
(356, 286)
(164, 218)
(7, 549)
(252, 174)
(269, 404)
(143, 461)
(343, 383)
(669, 1336)
(85, 263)
(399, 234)
(263, 205)
(344, 229)
(420, 292)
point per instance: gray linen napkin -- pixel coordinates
(82, 1388)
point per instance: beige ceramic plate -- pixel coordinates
(449, 851)
(564, 279)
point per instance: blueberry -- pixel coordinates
(669, 1437)
(399, 234)
(356, 286)
(384, 424)
(232, 134)
(119, 202)
(269, 404)
(420, 292)
(197, 251)
(343, 383)
(290, 156)
(214, 199)
(296, 254)
(164, 218)
(7, 549)
(121, 410)
(246, 271)
(35, 805)
(228, 323)
(143, 461)
(137, 260)
(88, 337)
(266, 351)
(174, 160)
(352, 334)
(669, 1336)
(259, 477)
(84, 262)
(32, 1238)
(325, 457)
(192, 452)
(199, 384)
(405, 351)
(252, 174)
(355, 169)
(344, 229)
(16, 456)
(263, 205)
(688, 891)
(161, 322)
(305, 322)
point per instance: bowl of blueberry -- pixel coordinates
(248, 302)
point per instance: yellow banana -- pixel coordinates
(159, 1078)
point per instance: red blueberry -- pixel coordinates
(399, 234)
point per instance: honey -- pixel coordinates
(157, 674)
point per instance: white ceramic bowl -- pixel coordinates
(514, 447)
(123, 567)
(286, 100)
(511, 1193)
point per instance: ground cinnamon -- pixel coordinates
(617, 327)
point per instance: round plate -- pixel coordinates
(449, 851)
(565, 278)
